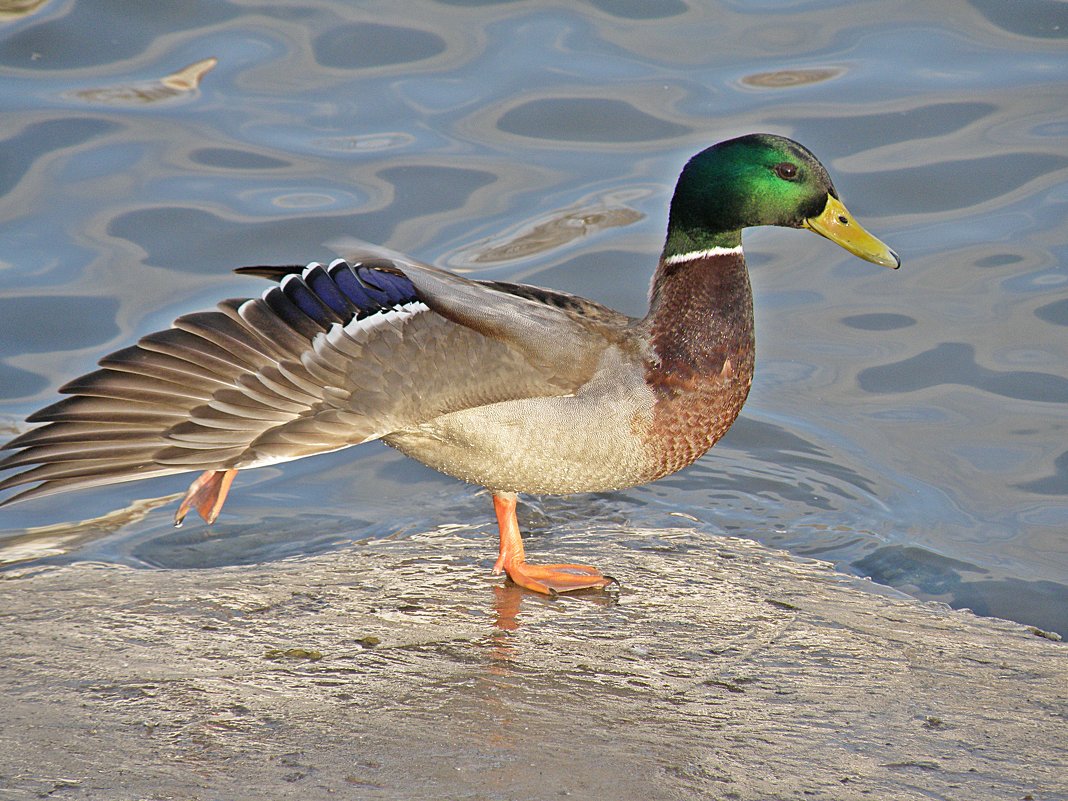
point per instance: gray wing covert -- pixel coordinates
(330, 357)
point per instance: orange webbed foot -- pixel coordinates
(546, 579)
(207, 495)
(555, 579)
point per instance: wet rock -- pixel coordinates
(698, 680)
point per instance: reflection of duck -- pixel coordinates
(516, 388)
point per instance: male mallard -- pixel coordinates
(513, 387)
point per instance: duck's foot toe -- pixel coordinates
(207, 495)
(555, 579)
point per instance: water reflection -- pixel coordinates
(954, 363)
(373, 45)
(878, 321)
(15, 9)
(28, 144)
(183, 82)
(227, 158)
(72, 39)
(42, 543)
(936, 577)
(781, 79)
(590, 216)
(586, 119)
(1055, 483)
(508, 599)
(1046, 19)
(1055, 312)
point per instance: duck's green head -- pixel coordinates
(761, 179)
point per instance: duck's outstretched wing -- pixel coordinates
(330, 357)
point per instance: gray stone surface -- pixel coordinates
(401, 670)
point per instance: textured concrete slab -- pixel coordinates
(400, 670)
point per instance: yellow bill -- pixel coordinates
(837, 224)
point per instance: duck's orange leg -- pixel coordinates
(547, 579)
(207, 495)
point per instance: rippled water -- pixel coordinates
(909, 426)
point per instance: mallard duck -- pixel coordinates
(512, 387)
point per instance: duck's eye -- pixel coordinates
(786, 170)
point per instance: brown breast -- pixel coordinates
(700, 327)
